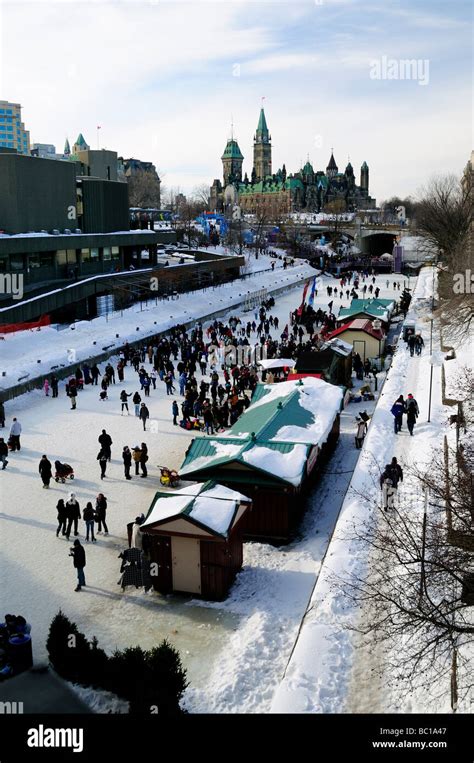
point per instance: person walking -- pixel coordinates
(45, 470)
(73, 514)
(144, 415)
(143, 460)
(46, 387)
(136, 453)
(2, 415)
(124, 401)
(72, 396)
(136, 400)
(15, 432)
(88, 516)
(397, 410)
(411, 344)
(79, 560)
(208, 420)
(389, 479)
(95, 373)
(100, 513)
(62, 517)
(127, 461)
(361, 432)
(412, 413)
(54, 385)
(102, 459)
(175, 412)
(106, 443)
(3, 453)
(419, 344)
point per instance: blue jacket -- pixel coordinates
(398, 409)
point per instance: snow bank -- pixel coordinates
(317, 676)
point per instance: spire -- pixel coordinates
(67, 148)
(262, 129)
(332, 162)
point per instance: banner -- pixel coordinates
(305, 290)
(312, 293)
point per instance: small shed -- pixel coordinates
(194, 539)
(273, 452)
(362, 336)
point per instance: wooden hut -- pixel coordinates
(194, 539)
(333, 361)
(368, 309)
(272, 452)
(363, 336)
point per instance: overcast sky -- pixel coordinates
(164, 79)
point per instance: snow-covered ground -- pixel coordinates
(235, 651)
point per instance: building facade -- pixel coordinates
(12, 130)
(274, 194)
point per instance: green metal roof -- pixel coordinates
(80, 140)
(232, 150)
(262, 129)
(270, 186)
(308, 169)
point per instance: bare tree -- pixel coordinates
(416, 595)
(144, 189)
(201, 196)
(443, 219)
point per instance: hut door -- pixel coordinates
(161, 556)
(186, 554)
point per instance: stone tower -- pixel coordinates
(232, 159)
(262, 149)
(364, 179)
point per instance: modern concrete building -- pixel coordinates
(12, 130)
(45, 151)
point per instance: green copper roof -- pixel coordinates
(262, 129)
(80, 140)
(308, 169)
(232, 150)
(270, 186)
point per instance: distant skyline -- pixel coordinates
(165, 79)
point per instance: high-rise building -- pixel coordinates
(12, 130)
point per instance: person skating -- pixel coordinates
(45, 470)
(79, 560)
(143, 459)
(102, 459)
(2, 415)
(123, 399)
(136, 400)
(62, 517)
(101, 513)
(46, 387)
(397, 410)
(175, 412)
(3, 453)
(88, 516)
(412, 413)
(73, 513)
(95, 373)
(208, 420)
(15, 432)
(136, 453)
(127, 461)
(144, 415)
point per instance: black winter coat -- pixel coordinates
(79, 557)
(72, 510)
(45, 468)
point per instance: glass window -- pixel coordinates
(71, 256)
(94, 254)
(85, 254)
(115, 253)
(107, 255)
(61, 256)
(16, 261)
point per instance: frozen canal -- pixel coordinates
(235, 651)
